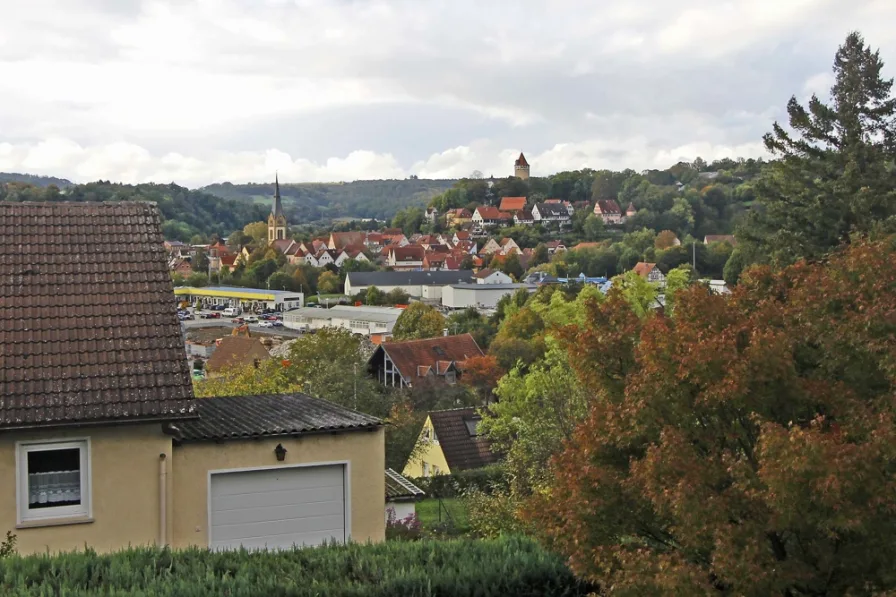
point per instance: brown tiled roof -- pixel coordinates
(643, 269)
(607, 206)
(719, 238)
(270, 415)
(486, 212)
(236, 351)
(521, 161)
(409, 355)
(484, 273)
(462, 235)
(282, 244)
(87, 335)
(462, 450)
(343, 239)
(512, 203)
(409, 253)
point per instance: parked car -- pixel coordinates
(266, 324)
(251, 319)
(185, 316)
(276, 324)
(212, 315)
(237, 320)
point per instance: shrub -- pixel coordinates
(495, 514)
(486, 479)
(404, 529)
(426, 568)
(8, 546)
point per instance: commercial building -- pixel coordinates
(480, 296)
(249, 299)
(369, 321)
(425, 285)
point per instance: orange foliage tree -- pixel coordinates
(744, 445)
(481, 374)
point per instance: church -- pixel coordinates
(276, 221)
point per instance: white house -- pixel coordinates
(345, 255)
(650, 272)
(551, 213)
(609, 211)
(523, 218)
(492, 276)
(491, 247)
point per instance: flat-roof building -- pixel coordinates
(369, 321)
(249, 299)
(480, 296)
(426, 285)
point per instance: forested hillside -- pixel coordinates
(186, 213)
(318, 202)
(34, 179)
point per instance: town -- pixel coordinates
(583, 381)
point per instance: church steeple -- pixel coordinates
(276, 221)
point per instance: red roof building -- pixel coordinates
(512, 204)
(402, 364)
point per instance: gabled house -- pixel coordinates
(182, 267)
(512, 205)
(568, 206)
(523, 218)
(406, 258)
(460, 235)
(404, 364)
(340, 240)
(434, 261)
(102, 444)
(508, 245)
(350, 252)
(719, 238)
(491, 247)
(554, 246)
(551, 213)
(235, 352)
(609, 211)
(451, 443)
(492, 276)
(282, 244)
(431, 215)
(458, 217)
(630, 211)
(650, 272)
(486, 217)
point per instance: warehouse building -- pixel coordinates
(480, 296)
(373, 322)
(422, 285)
(251, 300)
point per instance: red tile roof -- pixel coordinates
(408, 253)
(457, 431)
(643, 269)
(236, 351)
(409, 355)
(341, 239)
(521, 161)
(512, 203)
(90, 335)
(607, 206)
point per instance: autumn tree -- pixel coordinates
(665, 239)
(258, 231)
(744, 446)
(328, 283)
(418, 321)
(834, 177)
(481, 374)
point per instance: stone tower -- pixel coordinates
(276, 221)
(521, 167)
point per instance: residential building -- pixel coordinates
(235, 352)
(435, 261)
(354, 253)
(523, 218)
(401, 496)
(404, 364)
(182, 267)
(551, 213)
(719, 238)
(491, 247)
(340, 240)
(426, 285)
(431, 215)
(102, 442)
(609, 211)
(568, 206)
(458, 217)
(364, 320)
(521, 167)
(630, 211)
(459, 236)
(512, 204)
(492, 276)
(406, 258)
(253, 300)
(451, 443)
(554, 246)
(486, 217)
(508, 245)
(479, 296)
(277, 220)
(650, 272)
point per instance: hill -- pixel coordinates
(34, 179)
(186, 212)
(320, 202)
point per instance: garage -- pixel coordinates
(277, 508)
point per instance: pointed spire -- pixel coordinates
(277, 208)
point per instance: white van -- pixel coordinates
(231, 311)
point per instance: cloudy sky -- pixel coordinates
(199, 91)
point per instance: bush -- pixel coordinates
(509, 566)
(486, 480)
(404, 529)
(8, 546)
(495, 514)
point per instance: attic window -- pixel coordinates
(438, 350)
(472, 426)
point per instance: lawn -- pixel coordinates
(452, 509)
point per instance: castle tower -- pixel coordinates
(276, 221)
(521, 167)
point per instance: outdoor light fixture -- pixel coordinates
(280, 451)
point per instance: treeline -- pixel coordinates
(323, 202)
(186, 213)
(34, 179)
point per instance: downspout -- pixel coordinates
(163, 500)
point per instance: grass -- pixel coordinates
(428, 513)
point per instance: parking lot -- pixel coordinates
(225, 322)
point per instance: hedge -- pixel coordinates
(506, 566)
(485, 479)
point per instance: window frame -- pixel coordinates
(24, 514)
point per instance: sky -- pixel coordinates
(203, 91)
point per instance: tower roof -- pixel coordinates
(277, 207)
(521, 161)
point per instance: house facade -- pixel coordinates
(404, 364)
(551, 213)
(650, 272)
(102, 444)
(451, 443)
(609, 211)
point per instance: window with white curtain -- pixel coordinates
(53, 480)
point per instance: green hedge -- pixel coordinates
(506, 566)
(485, 479)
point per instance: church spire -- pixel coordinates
(277, 208)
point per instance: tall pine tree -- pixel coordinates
(835, 176)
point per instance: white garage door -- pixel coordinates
(277, 508)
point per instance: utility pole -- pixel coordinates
(694, 247)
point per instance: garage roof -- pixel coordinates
(437, 278)
(400, 489)
(244, 417)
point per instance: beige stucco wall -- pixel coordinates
(431, 454)
(363, 449)
(125, 489)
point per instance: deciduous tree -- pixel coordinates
(418, 321)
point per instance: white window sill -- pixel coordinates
(54, 522)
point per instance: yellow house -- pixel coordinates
(102, 443)
(451, 443)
